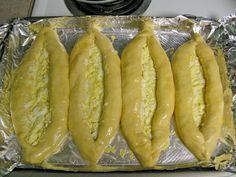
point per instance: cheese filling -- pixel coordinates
(198, 85)
(94, 89)
(148, 86)
(39, 110)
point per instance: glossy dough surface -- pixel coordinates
(199, 97)
(147, 97)
(95, 94)
(40, 98)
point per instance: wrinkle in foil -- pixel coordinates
(172, 32)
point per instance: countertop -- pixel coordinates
(178, 173)
(10, 9)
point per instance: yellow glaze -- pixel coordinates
(222, 161)
(95, 94)
(228, 123)
(148, 97)
(40, 98)
(199, 97)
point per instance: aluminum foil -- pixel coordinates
(16, 38)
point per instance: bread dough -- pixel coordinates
(95, 94)
(228, 129)
(147, 97)
(199, 97)
(40, 98)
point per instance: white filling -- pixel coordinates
(198, 85)
(95, 91)
(39, 115)
(148, 87)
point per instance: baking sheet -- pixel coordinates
(172, 32)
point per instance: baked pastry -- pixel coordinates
(147, 96)
(40, 98)
(95, 94)
(199, 97)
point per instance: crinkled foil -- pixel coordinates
(16, 38)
